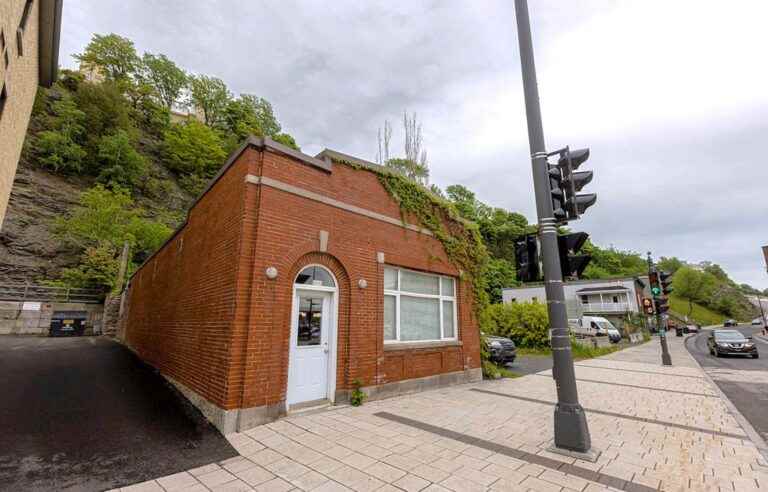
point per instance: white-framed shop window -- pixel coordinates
(419, 307)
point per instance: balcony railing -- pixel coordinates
(604, 307)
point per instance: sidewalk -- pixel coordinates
(658, 428)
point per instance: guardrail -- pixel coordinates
(44, 293)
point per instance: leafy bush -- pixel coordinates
(58, 152)
(119, 163)
(193, 148)
(527, 324)
(358, 396)
(99, 226)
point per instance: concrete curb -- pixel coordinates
(750, 431)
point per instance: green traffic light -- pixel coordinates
(656, 291)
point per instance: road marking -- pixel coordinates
(620, 415)
(636, 386)
(561, 466)
(638, 370)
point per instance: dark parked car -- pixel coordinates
(730, 322)
(692, 328)
(502, 350)
(727, 342)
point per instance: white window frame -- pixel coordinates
(439, 296)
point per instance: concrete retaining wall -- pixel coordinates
(34, 318)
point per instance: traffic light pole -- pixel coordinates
(571, 430)
(665, 357)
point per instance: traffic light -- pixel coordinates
(653, 279)
(527, 258)
(665, 282)
(662, 305)
(557, 191)
(572, 264)
(572, 182)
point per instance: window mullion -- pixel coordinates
(440, 313)
(397, 317)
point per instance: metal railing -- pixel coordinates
(604, 307)
(44, 293)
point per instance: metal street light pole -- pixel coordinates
(571, 430)
(665, 358)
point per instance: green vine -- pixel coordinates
(460, 238)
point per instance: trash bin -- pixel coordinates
(679, 331)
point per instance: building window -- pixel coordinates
(585, 299)
(22, 27)
(418, 307)
(315, 275)
(534, 299)
(615, 299)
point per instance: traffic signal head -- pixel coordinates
(572, 182)
(662, 305)
(527, 258)
(572, 265)
(653, 279)
(557, 191)
(665, 282)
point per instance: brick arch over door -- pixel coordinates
(343, 292)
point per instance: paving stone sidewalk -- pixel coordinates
(657, 428)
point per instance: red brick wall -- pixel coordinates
(182, 301)
(212, 320)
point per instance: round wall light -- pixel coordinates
(271, 273)
(362, 283)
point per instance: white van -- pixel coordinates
(595, 326)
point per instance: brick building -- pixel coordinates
(29, 56)
(292, 277)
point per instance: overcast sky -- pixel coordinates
(671, 97)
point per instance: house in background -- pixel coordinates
(614, 299)
(293, 278)
(29, 57)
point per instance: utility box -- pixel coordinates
(68, 323)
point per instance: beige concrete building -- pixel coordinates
(29, 53)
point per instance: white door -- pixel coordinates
(310, 346)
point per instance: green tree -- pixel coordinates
(59, 147)
(97, 268)
(165, 77)
(499, 274)
(211, 96)
(99, 225)
(115, 56)
(119, 163)
(248, 115)
(287, 140)
(671, 264)
(527, 324)
(693, 285)
(193, 148)
(106, 111)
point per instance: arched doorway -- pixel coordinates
(312, 347)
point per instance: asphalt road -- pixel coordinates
(743, 380)
(84, 414)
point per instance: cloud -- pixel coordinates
(670, 97)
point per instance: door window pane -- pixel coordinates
(418, 283)
(390, 279)
(447, 286)
(390, 317)
(419, 318)
(310, 321)
(315, 275)
(448, 331)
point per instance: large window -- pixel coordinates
(418, 307)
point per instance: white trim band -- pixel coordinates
(310, 195)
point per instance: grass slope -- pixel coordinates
(700, 314)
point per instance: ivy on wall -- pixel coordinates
(460, 238)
